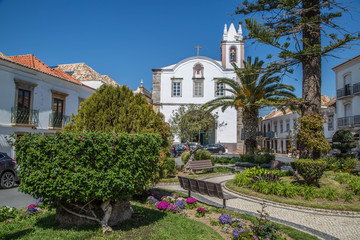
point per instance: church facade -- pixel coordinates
(194, 81)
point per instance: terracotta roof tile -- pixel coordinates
(31, 61)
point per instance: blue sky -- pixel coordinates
(126, 39)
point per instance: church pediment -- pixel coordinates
(198, 59)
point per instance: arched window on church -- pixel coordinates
(233, 54)
(198, 71)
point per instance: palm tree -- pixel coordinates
(254, 85)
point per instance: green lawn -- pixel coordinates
(145, 224)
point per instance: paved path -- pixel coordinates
(324, 225)
(12, 198)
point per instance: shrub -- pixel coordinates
(264, 158)
(83, 167)
(344, 141)
(310, 170)
(308, 193)
(201, 154)
(255, 171)
(169, 166)
(241, 179)
(311, 136)
(185, 156)
(340, 163)
(247, 158)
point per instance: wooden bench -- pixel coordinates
(357, 168)
(204, 187)
(200, 165)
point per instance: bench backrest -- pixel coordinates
(357, 168)
(203, 187)
(201, 164)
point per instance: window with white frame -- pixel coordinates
(288, 126)
(219, 89)
(176, 88)
(281, 127)
(198, 88)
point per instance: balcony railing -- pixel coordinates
(357, 120)
(356, 88)
(343, 92)
(349, 121)
(58, 121)
(24, 116)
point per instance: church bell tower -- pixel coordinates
(232, 47)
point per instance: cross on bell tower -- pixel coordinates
(198, 49)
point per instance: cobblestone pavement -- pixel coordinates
(325, 225)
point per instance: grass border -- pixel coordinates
(277, 199)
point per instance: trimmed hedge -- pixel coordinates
(78, 167)
(310, 170)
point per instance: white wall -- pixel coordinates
(212, 69)
(42, 98)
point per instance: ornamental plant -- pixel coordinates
(7, 213)
(200, 212)
(238, 233)
(32, 209)
(310, 170)
(191, 203)
(180, 204)
(82, 169)
(163, 205)
(172, 208)
(225, 219)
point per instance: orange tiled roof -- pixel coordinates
(31, 61)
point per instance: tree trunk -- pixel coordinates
(311, 64)
(250, 122)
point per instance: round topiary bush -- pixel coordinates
(89, 176)
(344, 141)
(310, 170)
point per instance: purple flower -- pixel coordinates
(180, 204)
(153, 201)
(255, 237)
(172, 207)
(163, 205)
(191, 200)
(237, 232)
(225, 219)
(31, 210)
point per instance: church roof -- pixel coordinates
(199, 58)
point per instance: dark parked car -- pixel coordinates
(215, 148)
(8, 172)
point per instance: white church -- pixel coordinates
(193, 81)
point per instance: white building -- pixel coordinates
(276, 126)
(193, 81)
(35, 98)
(348, 95)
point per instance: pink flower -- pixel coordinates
(191, 200)
(112, 135)
(32, 206)
(113, 147)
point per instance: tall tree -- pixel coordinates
(117, 109)
(254, 85)
(299, 29)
